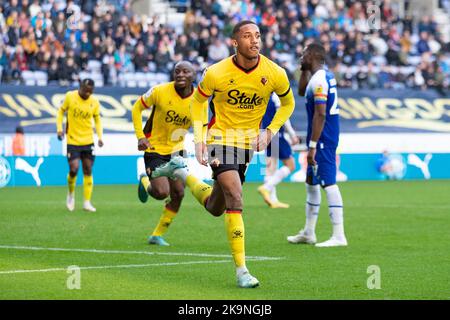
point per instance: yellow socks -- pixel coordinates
(164, 222)
(145, 182)
(88, 185)
(71, 182)
(235, 231)
(200, 190)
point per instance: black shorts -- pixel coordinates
(153, 160)
(224, 158)
(80, 152)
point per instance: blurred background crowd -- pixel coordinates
(371, 44)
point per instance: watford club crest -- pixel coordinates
(264, 80)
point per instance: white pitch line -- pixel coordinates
(136, 252)
(119, 266)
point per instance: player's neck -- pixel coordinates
(81, 96)
(244, 63)
(316, 67)
(184, 92)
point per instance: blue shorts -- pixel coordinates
(326, 171)
(283, 146)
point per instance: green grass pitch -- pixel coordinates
(401, 227)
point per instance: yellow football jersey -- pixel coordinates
(239, 99)
(80, 113)
(169, 119)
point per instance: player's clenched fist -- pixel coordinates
(201, 153)
(143, 144)
(262, 140)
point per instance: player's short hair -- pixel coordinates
(87, 82)
(238, 26)
(318, 50)
(19, 129)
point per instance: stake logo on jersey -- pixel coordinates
(244, 100)
(174, 118)
(81, 114)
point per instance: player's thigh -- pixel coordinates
(160, 187)
(216, 202)
(231, 184)
(73, 157)
(87, 158)
(74, 165)
(285, 150)
(289, 162)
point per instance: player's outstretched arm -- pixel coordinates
(284, 112)
(136, 115)
(98, 126)
(60, 116)
(199, 118)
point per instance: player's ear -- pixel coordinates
(234, 43)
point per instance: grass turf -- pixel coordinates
(402, 227)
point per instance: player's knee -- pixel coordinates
(216, 212)
(160, 192)
(233, 198)
(73, 172)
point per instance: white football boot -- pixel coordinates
(87, 206)
(302, 237)
(70, 201)
(333, 242)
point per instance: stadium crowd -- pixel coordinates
(61, 37)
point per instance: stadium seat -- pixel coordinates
(94, 65)
(28, 78)
(84, 75)
(130, 80)
(162, 77)
(98, 79)
(414, 60)
(41, 78)
(141, 79)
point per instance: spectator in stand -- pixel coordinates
(68, 73)
(217, 51)
(54, 72)
(140, 59)
(122, 60)
(286, 25)
(422, 44)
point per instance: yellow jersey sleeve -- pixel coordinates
(207, 84)
(284, 92)
(149, 98)
(199, 106)
(61, 111)
(146, 101)
(98, 123)
(199, 116)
